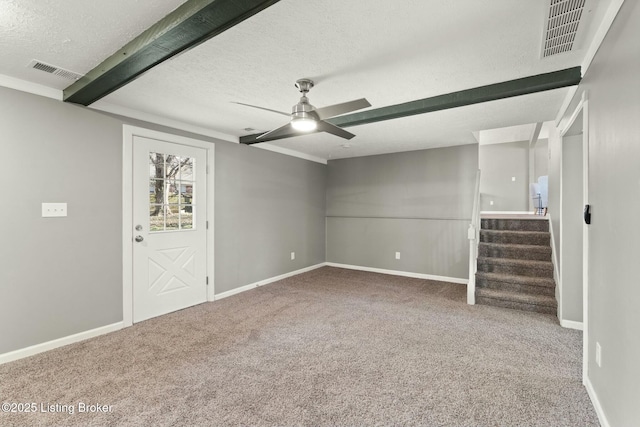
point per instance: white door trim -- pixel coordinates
(585, 240)
(127, 210)
(583, 108)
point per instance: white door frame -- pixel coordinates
(583, 108)
(129, 132)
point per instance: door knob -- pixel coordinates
(139, 239)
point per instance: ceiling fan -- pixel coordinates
(305, 118)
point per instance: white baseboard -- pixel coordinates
(401, 273)
(596, 403)
(506, 212)
(265, 281)
(50, 345)
(571, 324)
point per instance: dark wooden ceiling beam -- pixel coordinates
(189, 25)
(492, 92)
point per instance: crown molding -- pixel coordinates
(30, 87)
(108, 107)
(288, 152)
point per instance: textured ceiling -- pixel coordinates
(389, 52)
(72, 34)
(443, 128)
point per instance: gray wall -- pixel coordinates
(613, 93)
(417, 203)
(541, 159)
(499, 163)
(571, 257)
(58, 276)
(61, 276)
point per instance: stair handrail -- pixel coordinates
(474, 236)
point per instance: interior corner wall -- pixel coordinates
(417, 203)
(267, 206)
(62, 276)
(613, 95)
(500, 163)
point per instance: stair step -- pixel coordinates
(513, 224)
(506, 250)
(515, 300)
(523, 284)
(530, 238)
(516, 267)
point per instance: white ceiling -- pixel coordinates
(387, 51)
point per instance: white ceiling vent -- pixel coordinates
(52, 69)
(562, 26)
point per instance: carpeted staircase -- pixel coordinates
(514, 265)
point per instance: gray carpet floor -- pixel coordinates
(328, 347)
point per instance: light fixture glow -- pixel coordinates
(303, 124)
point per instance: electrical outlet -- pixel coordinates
(598, 355)
(54, 209)
(491, 202)
(397, 255)
(293, 256)
(513, 179)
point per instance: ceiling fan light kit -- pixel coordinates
(304, 124)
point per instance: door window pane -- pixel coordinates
(186, 191)
(156, 218)
(172, 221)
(186, 218)
(156, 165)
(156, 191)
(187, 169)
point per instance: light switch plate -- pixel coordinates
(54, 210)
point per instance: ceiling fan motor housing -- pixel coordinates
(304, 110)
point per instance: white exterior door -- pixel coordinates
(169, 219)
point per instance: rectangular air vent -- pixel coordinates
(52, 69)
(562, 26)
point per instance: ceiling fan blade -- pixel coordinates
(335, 130)
(345, 107)
(282, 130)
(262, 108)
